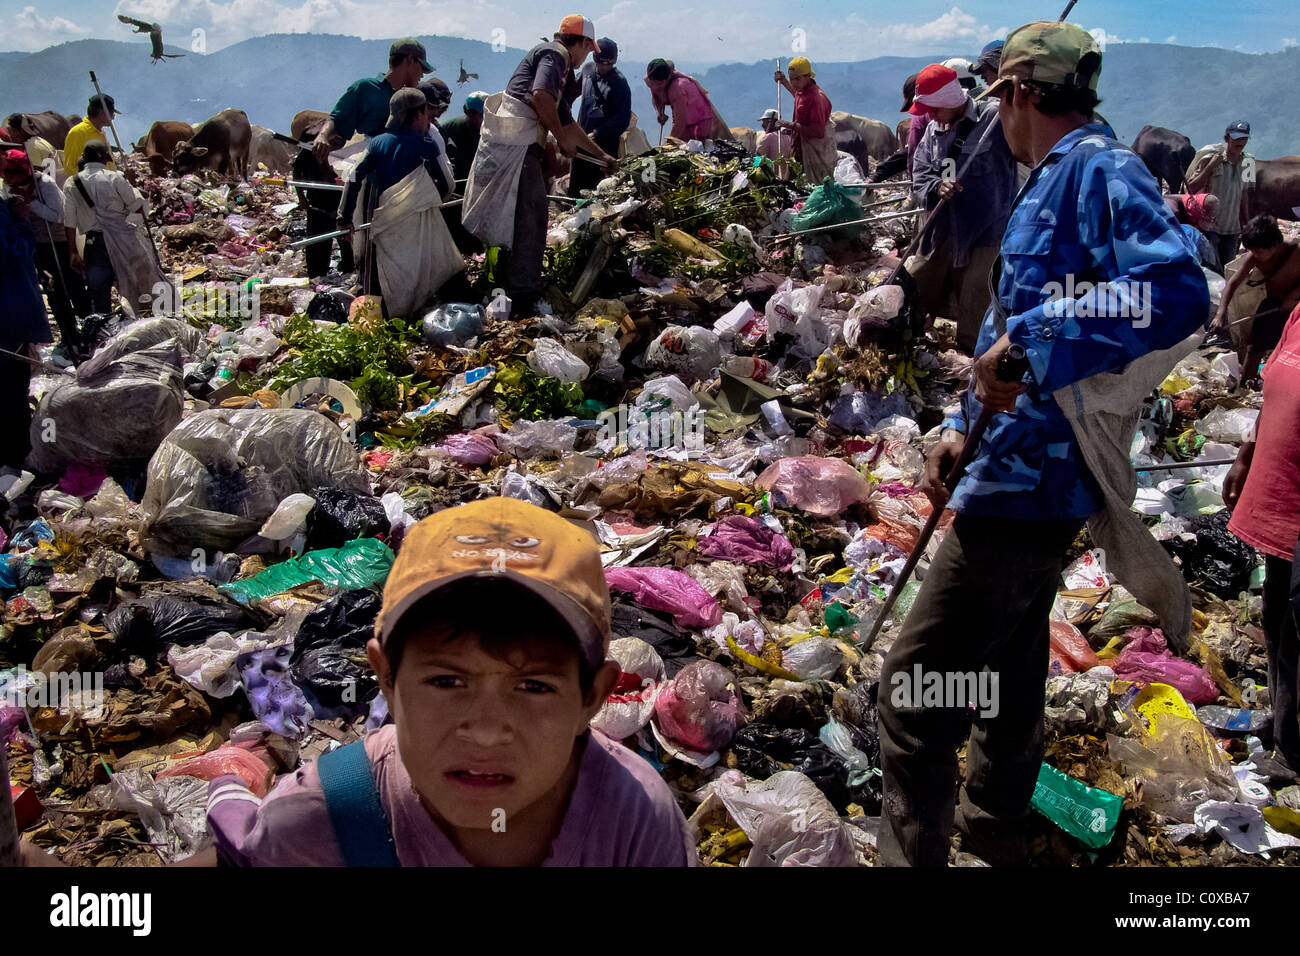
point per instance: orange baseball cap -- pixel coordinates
(575, 24)
(508, 540)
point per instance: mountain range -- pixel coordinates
(1195, 90)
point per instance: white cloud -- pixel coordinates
(1288, 41)
(1172, 38)
(31, 31)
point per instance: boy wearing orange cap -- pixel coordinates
(490, 649)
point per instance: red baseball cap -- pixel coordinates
(931, 80)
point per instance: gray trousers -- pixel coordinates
(985, 603)
(523, 274)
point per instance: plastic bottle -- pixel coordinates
(747, 366)
(1233, 719)
(1086, 813)
(225, 372)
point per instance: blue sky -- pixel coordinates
(732, 30)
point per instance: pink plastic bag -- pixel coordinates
(738, 538)
(82, 480)
(700, 708)
(471, 450)
(1147, 660)
(665, 589)
(227, 759)
(1070, 652)
(820, 486)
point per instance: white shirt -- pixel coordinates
(109, 190)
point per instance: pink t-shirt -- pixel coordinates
(778, 144)
(621, 813)
(1267, 516)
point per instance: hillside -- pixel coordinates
(1197, 91)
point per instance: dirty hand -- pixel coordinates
(611, 164)
(663, 118)
(992, 392)
(779, 77)
(346, 224)
(938, 463)
(321, 147)
(74, 262)
(1235, 481)
(1220, 320)
(949, 188)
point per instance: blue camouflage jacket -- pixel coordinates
(1095, 273)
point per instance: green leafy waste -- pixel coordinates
(374, 363)
(521, 393)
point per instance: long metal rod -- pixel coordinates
(853, 222)
(1188, 464)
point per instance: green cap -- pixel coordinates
(411, 47)
(1049, 51)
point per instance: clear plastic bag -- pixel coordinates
(789, 821)
(221, 473)
(631, 703)
(553, 360)
(700, 708)
(689, 351)
(544, 438)
(820, 486)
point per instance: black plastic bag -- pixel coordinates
(145, 627)
(341, 516)
(763, 749)
(1217, 557)
(674, 646)
(329, 654)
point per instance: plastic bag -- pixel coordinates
(669, 392)
(700, 708)
(148, 625)
(247, 766)
(274, 698)
(816, 658)
(221, 473)
(1086, 813)
(289, 518)
(631, 703)
(453, 324)
(362, 563)
(148, 332)
(732, 324)
(173, 810)
(1235, 425)
(473, 450)
(552, 359)
(820, 486)
(329, 661)
(666, 589)
(1213, 554)
(789, 822)
(1145, 659)
(341, 516)
(209, 666)
(795, 312)
(1179, 764)
(692, 352)
(1122, 614)
(547, 438)
(115, 412)
(826, 205)
(739, 538)
(1070, 652)
(875, 310)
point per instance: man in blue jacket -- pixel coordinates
(605, 113)
(1095, 273)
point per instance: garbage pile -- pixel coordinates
(741, 415)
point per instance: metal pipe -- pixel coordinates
(853, 222)
(1188, 464)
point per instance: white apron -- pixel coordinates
(509, 127)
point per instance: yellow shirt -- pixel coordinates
(81, 134)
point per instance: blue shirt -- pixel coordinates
(390, 158)
(1090, 213)
(22, 310)
(606, 110)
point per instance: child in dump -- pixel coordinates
(490, 651)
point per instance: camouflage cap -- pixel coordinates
(1048, 51)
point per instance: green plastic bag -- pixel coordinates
(828, 204)
(1086, 813)
(838, 617)
(362, 563)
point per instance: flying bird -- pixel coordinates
(155, 37)
(465, 77)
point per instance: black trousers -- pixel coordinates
(65, 289)
(984, 604)
(319, 222)
(1281, 599)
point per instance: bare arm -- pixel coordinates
(1230, 290)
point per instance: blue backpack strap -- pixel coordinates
(360, 824)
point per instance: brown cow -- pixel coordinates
(220, 143)
(877, 138)
(159, 144)
(1276, 190)
(307, 122)
(902, 129)
(275, 154)
(51, 126)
